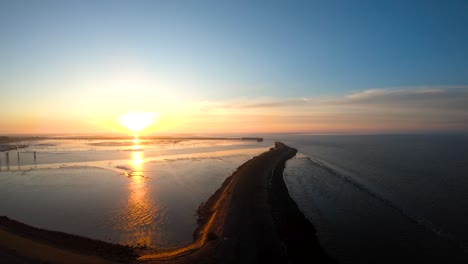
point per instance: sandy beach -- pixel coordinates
(250, 219)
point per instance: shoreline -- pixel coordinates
(250, 219)
(8, 143)
(12, 139)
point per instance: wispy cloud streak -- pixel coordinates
(374, 110)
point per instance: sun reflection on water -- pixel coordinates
(137, 164)
(139, 215)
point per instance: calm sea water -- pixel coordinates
(384, 198)
(122, 191)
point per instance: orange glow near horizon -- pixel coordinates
(335, 115)
(136, 122)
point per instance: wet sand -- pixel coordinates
(30, 244)
(250, 219)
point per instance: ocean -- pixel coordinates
(384, 198)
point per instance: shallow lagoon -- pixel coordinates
(133, 192)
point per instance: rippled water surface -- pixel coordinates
(122, 191)
(384, 198)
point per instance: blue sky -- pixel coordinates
(218, 51)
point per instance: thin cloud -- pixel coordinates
(398, 109)
(392, 93)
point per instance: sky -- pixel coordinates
(234, 66)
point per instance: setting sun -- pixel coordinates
(137, 121)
